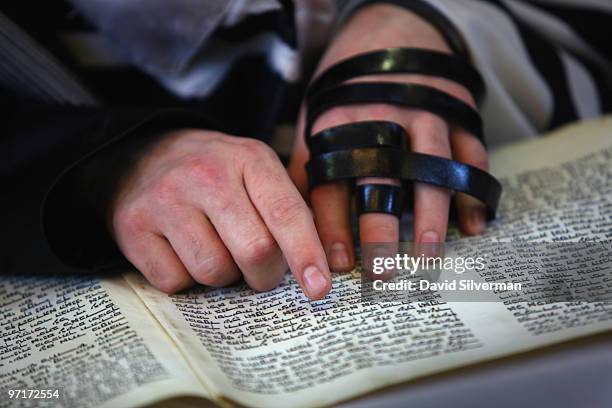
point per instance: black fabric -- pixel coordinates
(59, 163)
(42, 19)
(74, 210)
(49, 218)
(590, 21)
(250, 76)
(591, 24)
(402, 61)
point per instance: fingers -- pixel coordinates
(199, 248)
(330, 203)
(244, 234)
(469, 150)
(378, 228)
(152, 255)
(429, 135)
(288, 218)
(204, 204)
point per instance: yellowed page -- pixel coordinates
(563, 145)
(277, 349)
(92, 339)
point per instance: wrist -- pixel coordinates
(396, 25)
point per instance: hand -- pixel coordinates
(372, 28)
(206, 207)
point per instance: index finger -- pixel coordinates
(290, 222)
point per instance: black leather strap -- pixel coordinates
(379, 148)
(370, 198)
(401, 61)
(430, 99)
(408, 166)
(380, 198)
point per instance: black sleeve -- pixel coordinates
(58, 164)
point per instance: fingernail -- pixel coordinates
(315, 281)
(430, 237)
(477, 219)
(429, 243)
(339, 257)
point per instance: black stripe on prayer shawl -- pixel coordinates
(603, 84)
(593, 24)
(547, 61)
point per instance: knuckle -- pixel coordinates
(171, 285)
(130, 220)
(266, 285)
(259, 250)
(193, 245)
(205, 172)
(165, 190)
(216, 270)
(285, 210)
(164, 281)
(273, 277)
(257, 148)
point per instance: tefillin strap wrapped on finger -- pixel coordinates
(379, 148)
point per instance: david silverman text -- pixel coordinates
(463, 284)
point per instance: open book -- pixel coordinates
(119, 342)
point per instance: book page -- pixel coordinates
(90, 339)
(278, 349)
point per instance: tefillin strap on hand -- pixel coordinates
(379, 148)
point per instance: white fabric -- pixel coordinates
(202, 77)
(202, 63)
(239, 9)
(581, 87)
(519, 103)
